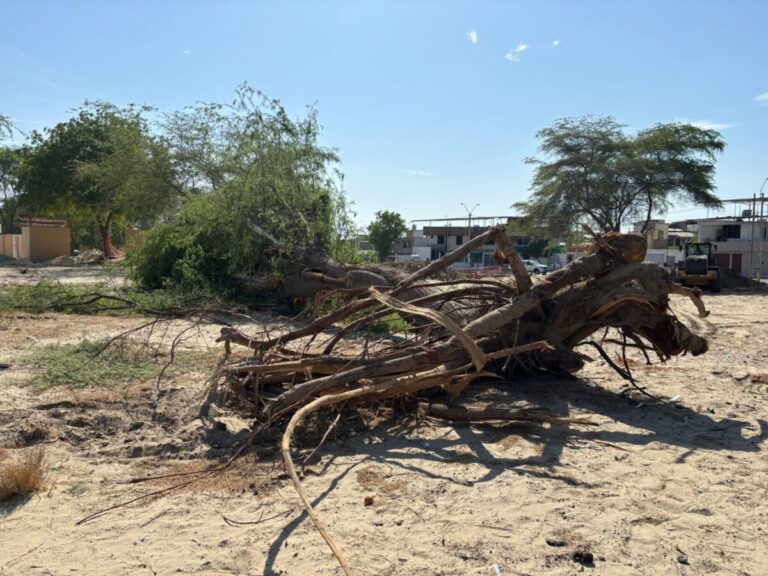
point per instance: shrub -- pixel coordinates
(24, 475)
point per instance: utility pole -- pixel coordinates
(752, 213)
(469, 226)
(761, 233)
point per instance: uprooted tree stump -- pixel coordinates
(460, 330)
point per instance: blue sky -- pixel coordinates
(430, 104)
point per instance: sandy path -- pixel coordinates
(650, 479)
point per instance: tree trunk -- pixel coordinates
(106, 237)
(460, 328)
(648, 215)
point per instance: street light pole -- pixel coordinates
(760, 232)
(469, 226)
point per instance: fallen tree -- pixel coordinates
(460, 330)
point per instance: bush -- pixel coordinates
(210, 241)
(24, 476)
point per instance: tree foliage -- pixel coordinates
(244, 160)
(384, 230)
(10, 163)
(596, 173)
(101, 166)
(6, 126)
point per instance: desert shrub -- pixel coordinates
(22, 476)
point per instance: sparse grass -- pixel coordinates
(49, 296)
(23, 476)
(390, 324)
(88, 363)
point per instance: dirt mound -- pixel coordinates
(730, 280)
(62, 261)
(92, 256)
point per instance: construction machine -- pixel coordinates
(698, 270)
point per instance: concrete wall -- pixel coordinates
(43, 243)
(10, 245)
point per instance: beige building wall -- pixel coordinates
(24, 252)
(6, 244)
(41, 243)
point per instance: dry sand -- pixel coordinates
(15, 273)
(652, 482)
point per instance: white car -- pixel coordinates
(534, 267)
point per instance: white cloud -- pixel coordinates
(556, 43)
(416, 172)
(762, 99)
(513, 54)
(472, 35)
(186, 52)
(707, 124)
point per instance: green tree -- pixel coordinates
(246, 160)
(596, 173)
(6, 126)
(103, 166)
(10, 163)
(384, 230)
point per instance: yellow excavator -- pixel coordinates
(698, 270)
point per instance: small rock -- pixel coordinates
(582, 554)
(683, 559)
(557, 542)
(368, 501)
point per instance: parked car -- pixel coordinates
(534, 267)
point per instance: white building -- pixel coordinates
(740, 244)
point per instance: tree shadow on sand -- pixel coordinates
(673, 425)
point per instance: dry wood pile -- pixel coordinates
(460, 330)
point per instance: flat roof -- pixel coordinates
(465, 218)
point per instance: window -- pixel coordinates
(440, 239)
(459, 240)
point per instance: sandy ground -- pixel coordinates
(652, 482)
(14, 274)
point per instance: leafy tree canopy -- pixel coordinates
(101, 165)
(6, 125)
(10, 164)
(596, 173)
(244, 160)
(384, 230)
